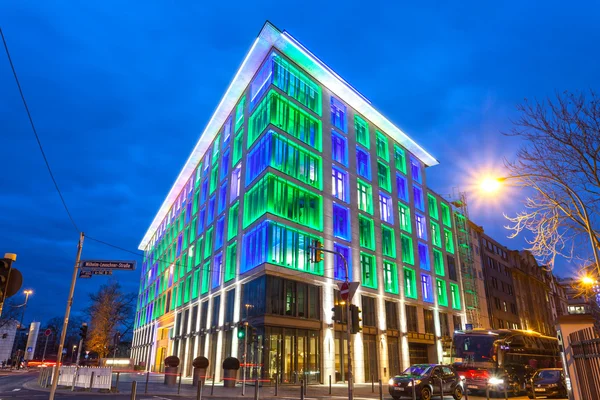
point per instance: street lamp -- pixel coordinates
(27, 293)
(491, 184)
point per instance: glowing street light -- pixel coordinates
(588, 280)
(491, 185)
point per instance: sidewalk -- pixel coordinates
(156, 387)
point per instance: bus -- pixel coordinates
(502, 357)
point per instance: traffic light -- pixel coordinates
(83, 331)
(355, 315)
(241, 331)
(318, 251)
(337, 314)
(5, 266)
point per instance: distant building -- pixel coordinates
(8, 331)
(578, 303)
(484, 316)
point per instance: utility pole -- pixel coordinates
(63, 334)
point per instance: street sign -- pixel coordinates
(344, 290)
(48, 332)
(352, 286)
(64, 351)
(108, 265)
(29, 349)
(468, 327)
(85, 274)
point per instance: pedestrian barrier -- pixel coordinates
(85, 377)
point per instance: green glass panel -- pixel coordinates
(446, 215)
(208, 244)
(237, 148)
(198, 250)
(362, 131)
(196, 284)
(390, 277)
(455, 293)
(438, 262)
(296, 161)
(383, 176)
(449, 241)
(436, 237)
(232, 228)
(289, 248)
(215, 152)
(382, 147)
(296, 84)
(410, 283)
(442, 294)
(388, 241)
(239, 113)
(432, 206)
(231, 262)
(408, 255)
(205, 278)
(369, 274)
(400, 159)
(186, 293)
(365, 196)
(366, 232)
(214, 179)
(404, 213)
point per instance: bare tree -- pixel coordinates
(110, 311)
(560, 162)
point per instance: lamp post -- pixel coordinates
(493, 184)
(27, 293)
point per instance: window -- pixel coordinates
(426, 288)
(341, 222)
(220, 233)
(436, 239)
(513, 306)
(339, 268)
(457, 322)
(216, 149)
(383, 176)
(231, 262)
(446, 215)
(338, 114)
(385, 208)
(415, 169)
(216, 309)
(201, 217)
(211, 210)
(412, 322)
(237, 147)
(285, 115)
(400, 159)
(363, 163)
(367, 267)
(391, 314)
(208, 244)
(404, 212)
(423, 256)
(504, 306)
(205, 278)
(390, 277)
(204, 192)
(421, 226)
(441, 292)
(275, 195)
(418, 197)
(368, 310)
(214, 179)
(407, 250)
(216, 271)
(432, 206)
(438, 262)
(225, 165)
(232, 228)
(428, 319)
(402, 187)
(236, 176)
(222, 197)
(339, 148)
(339, 183)
(449, 241)
(455, 294)
(388, 241)
(365, 197)
(445, 331)
(226, 131)
(366, 230)
(382, 147)
(362, 131)
(410, 283)
(239, 113)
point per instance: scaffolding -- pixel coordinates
(467, 264)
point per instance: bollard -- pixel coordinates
(414, 389)
(147, 378)
(372, 384)
(276, 384)
(505, 387)
(329, 384)
(301, 389)
(212, 387)
(117, 382)
(133, 390)
(74, 381)
(199, 390)
(256, 390)
(179, 385)
(441, 389)
(305, 384)
(487, 391)
(380, 390)
(92, 381)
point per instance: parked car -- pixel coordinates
(428, 381)
(549, 382)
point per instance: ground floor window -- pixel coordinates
(341, 357)
(418, 353)
(370, 358)
(393, 356)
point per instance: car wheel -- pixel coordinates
(426, 393)
(530, 396)
(458, 393)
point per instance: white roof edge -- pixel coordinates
(269, 37)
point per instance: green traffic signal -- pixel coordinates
(241, 333)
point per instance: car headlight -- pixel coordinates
(416, 381)
(495, 381)
(391, 381)
(553, 385)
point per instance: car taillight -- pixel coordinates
(475, 374)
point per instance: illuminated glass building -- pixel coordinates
(293, 153)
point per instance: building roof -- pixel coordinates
(270, 37)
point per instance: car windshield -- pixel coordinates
(473, 347)
(418, 370)
(551, 374)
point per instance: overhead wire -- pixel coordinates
(37, 138)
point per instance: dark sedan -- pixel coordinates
(427, 380)
(548, 382)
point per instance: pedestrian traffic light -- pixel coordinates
(83, 331)
(356, 319)
(337, 314)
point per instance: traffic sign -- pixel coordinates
(48, 332)
(344, 290)
(352, 286)
(107, 265)
(85, 274)
(64, 351)
(29, 349)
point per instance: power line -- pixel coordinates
(35, 131)
(115, 246)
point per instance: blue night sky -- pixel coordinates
(120, 91)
